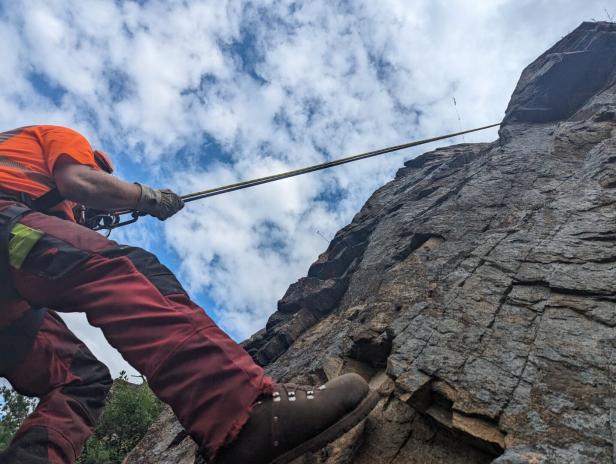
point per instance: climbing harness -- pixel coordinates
(108, 221)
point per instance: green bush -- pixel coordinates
(15, 408)
(130, 411)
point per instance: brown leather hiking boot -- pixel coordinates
(295, 420)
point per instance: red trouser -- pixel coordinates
(209, 380)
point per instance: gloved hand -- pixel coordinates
(161, 204)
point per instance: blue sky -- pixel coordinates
(194, 94)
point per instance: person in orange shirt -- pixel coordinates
(49, 263)
(28, 160)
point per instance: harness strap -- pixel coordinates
(17, 339)
(47, 201)
(41, 204)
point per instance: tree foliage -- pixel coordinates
(15, 408)
(130, 411)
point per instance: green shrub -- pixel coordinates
(15, 408)
(130, 411)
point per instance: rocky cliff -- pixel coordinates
(476, 291)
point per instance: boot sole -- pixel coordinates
(334, 431)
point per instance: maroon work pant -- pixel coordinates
(209, 380)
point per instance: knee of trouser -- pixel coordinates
(102, 378)
(94, 382)
(106, 381)
(97, 389)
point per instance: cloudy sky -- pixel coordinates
(194, 94)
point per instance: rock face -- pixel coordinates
(477, 290)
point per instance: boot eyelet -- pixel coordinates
(322, 387)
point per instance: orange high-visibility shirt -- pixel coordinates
(28, 156)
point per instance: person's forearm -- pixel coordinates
(99, 190)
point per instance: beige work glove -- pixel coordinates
(161, 204)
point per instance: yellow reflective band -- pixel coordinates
(23, 240)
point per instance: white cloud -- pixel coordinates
(277, 84)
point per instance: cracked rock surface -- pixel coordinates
(476, 291)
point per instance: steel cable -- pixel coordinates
(297, 172)
(319, 167)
